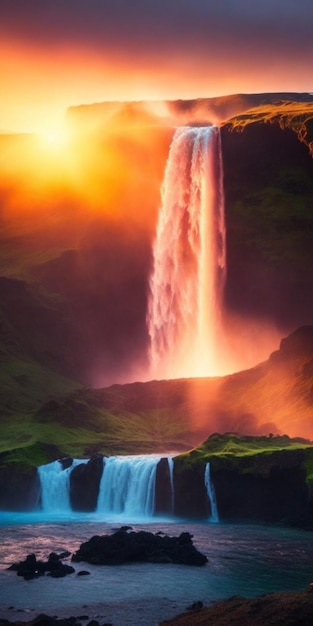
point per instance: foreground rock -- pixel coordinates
(47, 620)
(31, 568)
(125, 546)
(289, 609)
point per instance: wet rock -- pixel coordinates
(125, 547)
(84, 484)
(31, 568)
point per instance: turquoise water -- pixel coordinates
(245, 560)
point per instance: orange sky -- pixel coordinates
(54, 54)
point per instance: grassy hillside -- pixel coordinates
(46, 416)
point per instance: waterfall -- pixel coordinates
(170, 461)
(211, 493)
(186, 285)
(127, 486)
(55, 483)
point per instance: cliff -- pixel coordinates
(268, 177)
(76, 239)
(266, 479)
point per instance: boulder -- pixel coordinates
(31, 568)
(125, 547)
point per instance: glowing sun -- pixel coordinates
(55, 139)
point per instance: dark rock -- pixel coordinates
(84, 484)
(297, 344)
(270, 281)
(83, 572)
(64, 555)
(124, 547)
(66, 462)
(61, 570)
(164, 501)
(44, 620)
(272, 489)
(195, 606)
(191, 498)
(19, 489)
(31, 568)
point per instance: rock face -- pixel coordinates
(19, 490)
(268, 188)
(125, 547)
(269, 486)
(275, 492)
(261, 479)
(190, 491)
(164, 497)
(84, 484)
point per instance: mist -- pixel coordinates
(79, 223)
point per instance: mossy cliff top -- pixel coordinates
(298, 116)
(246, 454)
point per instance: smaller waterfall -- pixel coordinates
(55, 486)
(127, 486)
(170, 461)
(211, 494)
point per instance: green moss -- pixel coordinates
(239, 453)
(30, 456)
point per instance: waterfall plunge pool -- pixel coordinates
(247, 560)
(244, 559)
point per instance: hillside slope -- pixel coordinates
(274, 397)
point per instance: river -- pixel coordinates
(244, 559)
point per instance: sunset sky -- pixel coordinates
(57, 53)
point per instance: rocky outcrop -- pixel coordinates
(32, 568)
(126, 546)
(190, 491)
(84, 484)
(274, 491)
(19, 488)
(164, 497)
(272, 486)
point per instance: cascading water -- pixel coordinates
(55, 481)
(211, 493)
(187, 282)
(127, 489)
(170, 461)
(127, 486)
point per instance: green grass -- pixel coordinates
(233, 451)
(25, 385)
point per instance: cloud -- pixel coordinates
(158, 25)
(81, 51)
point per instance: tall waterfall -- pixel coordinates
(127, 486)
(187, 282)
(211, 493)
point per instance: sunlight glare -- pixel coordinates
(54, 139)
